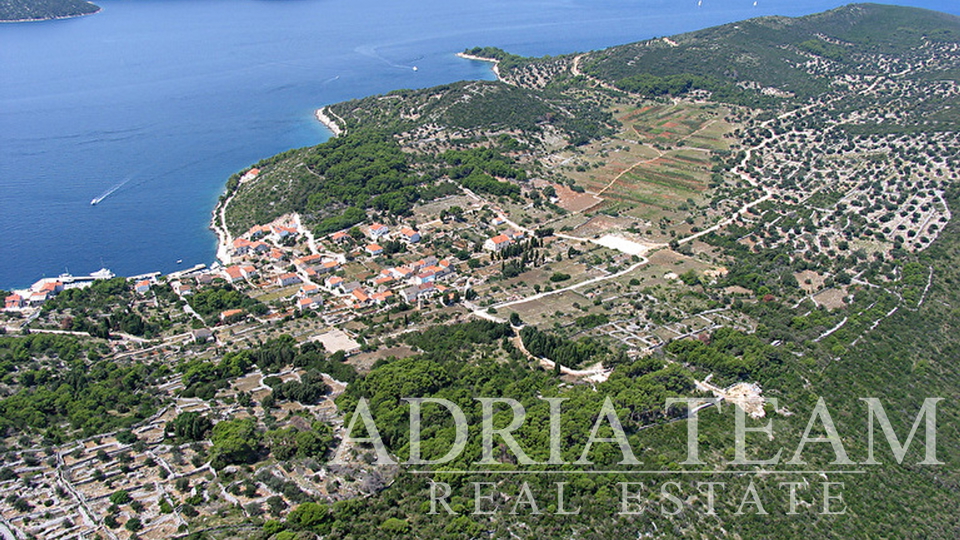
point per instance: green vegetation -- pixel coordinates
(767, 51)
(479, 106)
(101, 308)
(572, 354)
(211, 301)
(77, 395)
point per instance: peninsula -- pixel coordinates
(42, 10)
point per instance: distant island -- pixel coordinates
(44, 10)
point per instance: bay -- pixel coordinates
(152, 104)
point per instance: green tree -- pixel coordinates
(234, 441)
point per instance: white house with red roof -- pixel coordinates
(374, 249)
(309, 303)
(241, 246)
(281, 232)
(424, 277)
(333, 283)
(142, 287)
(402, 272)
(381, 297)
(377, 230)
(248, 272)
(497, 243)
(360, 296)
(409, 235)
(285, 280)
(307, 290)
(14, 301)
(232, 274)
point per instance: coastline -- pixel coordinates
(219, 226)
(59, 18)
(494, 61)
(329, 122)
(333, 123)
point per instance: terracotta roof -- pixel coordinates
(360, 295)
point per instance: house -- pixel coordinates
(414, 292)
(497, 221)
(349, 287)
(260, 247)
(285, 280)
(307, 290)
(231, 315)
(424, 277)
(142, 287)
(202, 335)
(38, 298)
(374, 249)
(381, 297)
(309, 303)
(205, 279)
(241, 246)
(232, 274)
(410, 293)
(329, 266)
(275, 255)
(52, 288)
(360, 296)
(250, 175)
(438, 271)
(514, 235)
(181, 288)
(308, 260)
(340, 236)
(497, 243)
(409, 235)
(258, 230)
(382, 281)
(401, 272)
(248, 272)
(280, 232)
(333, 283)
(423, 263)
(14, 301)
(377, 230)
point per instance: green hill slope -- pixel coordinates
(792, 55)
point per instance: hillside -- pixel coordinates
(773, 61)
(39, 10)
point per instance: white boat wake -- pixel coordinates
(97, 200)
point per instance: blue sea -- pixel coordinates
(152, 104)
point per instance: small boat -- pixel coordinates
(415, 68)
(93, 202)
(179, 261)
